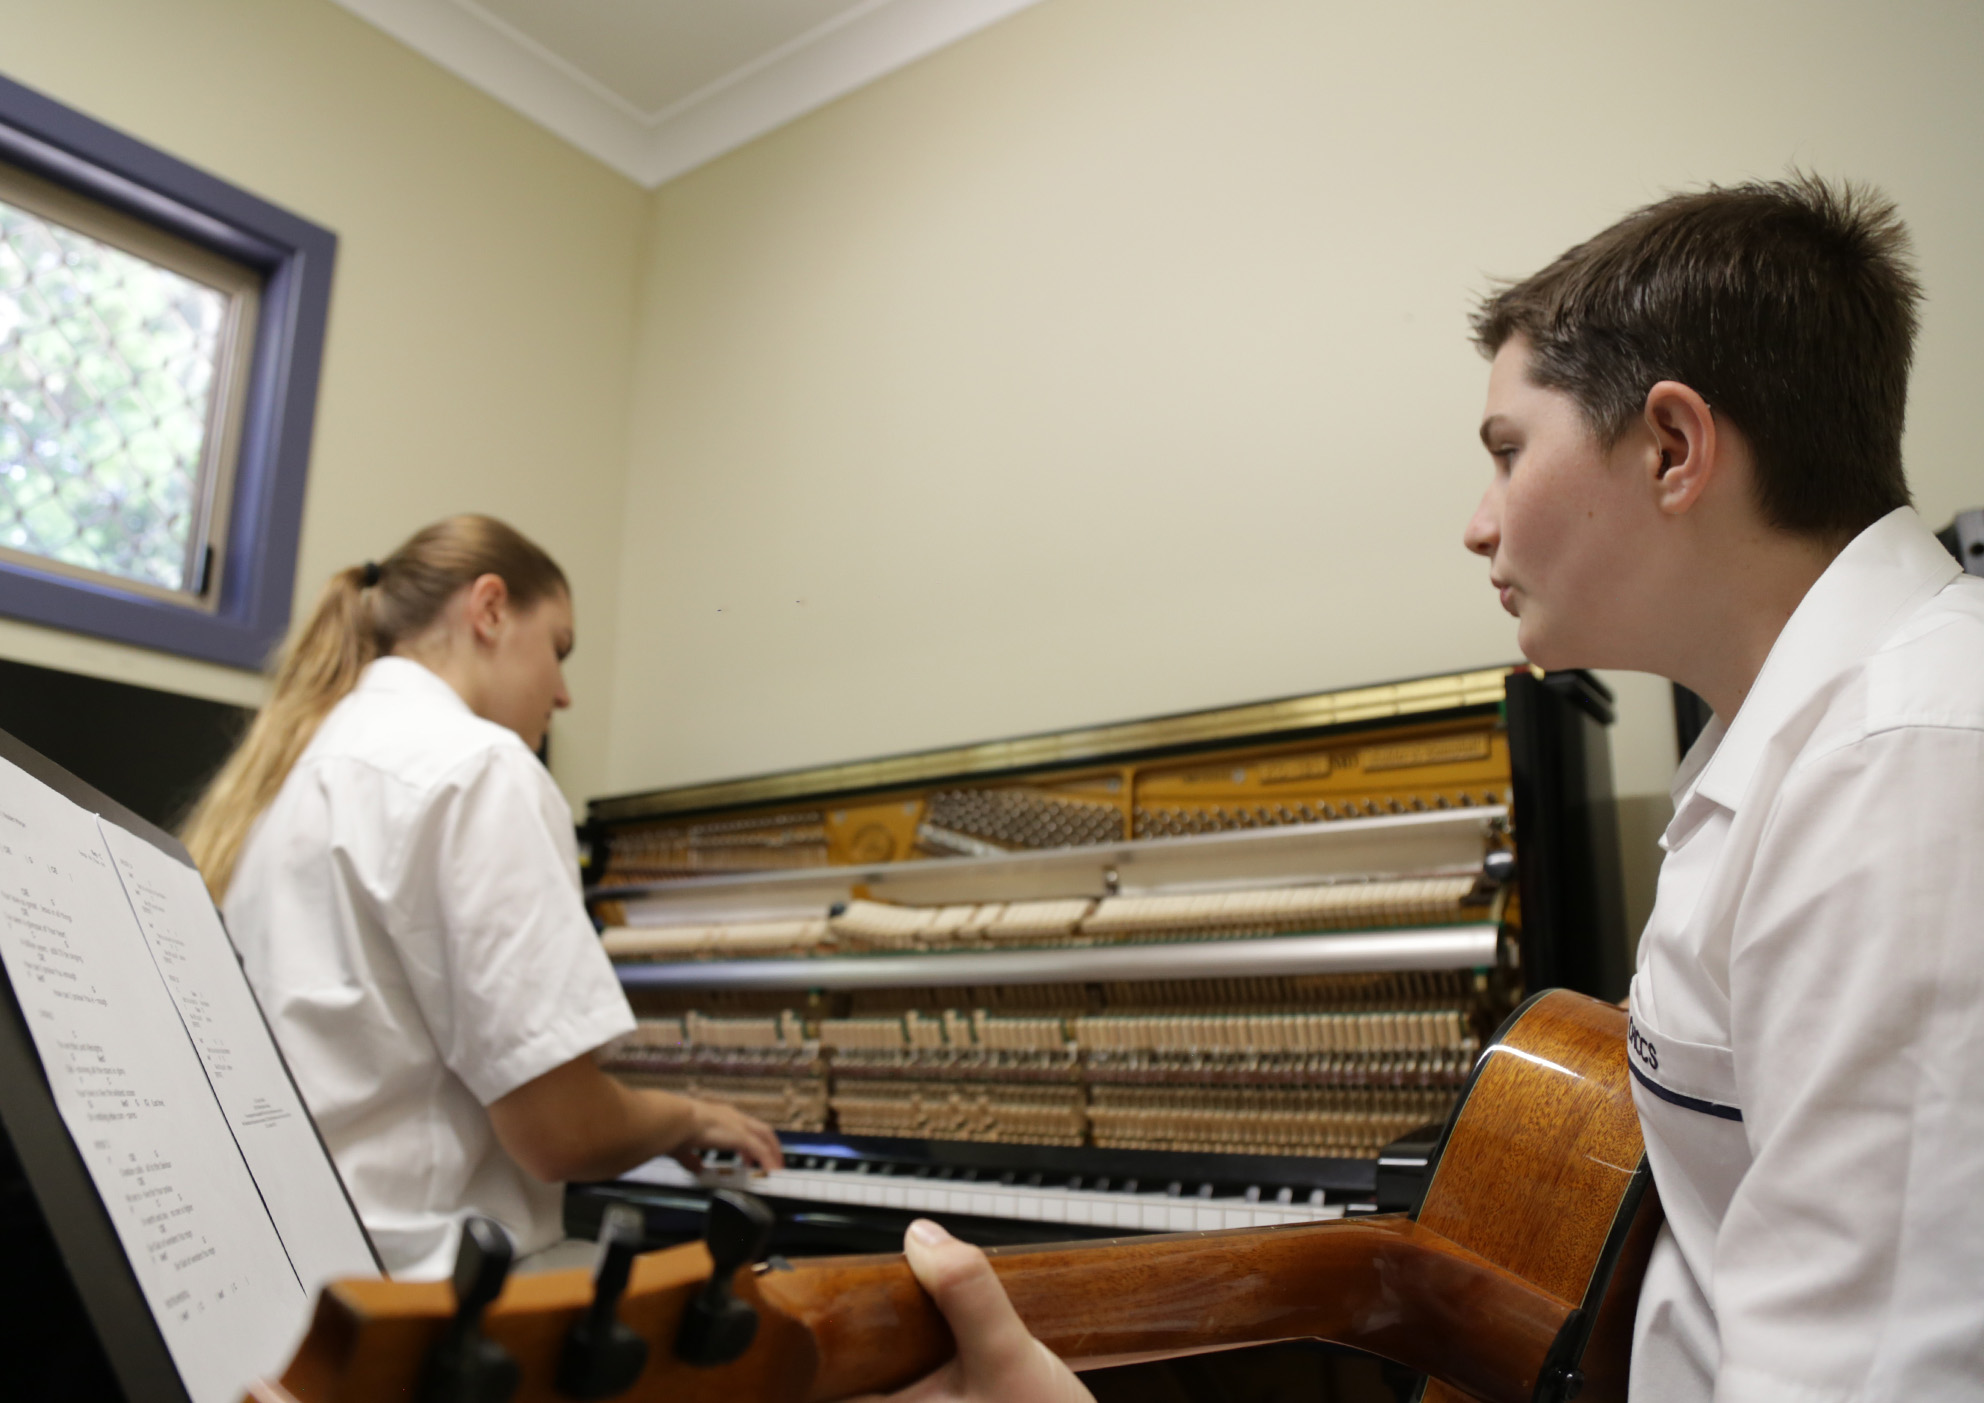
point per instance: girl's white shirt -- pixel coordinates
(1808, 1012)
(410, 914)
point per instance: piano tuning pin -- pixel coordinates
(602, 1356)
(465, 1366)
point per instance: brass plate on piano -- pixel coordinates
(1358, 768)
(1394, 700)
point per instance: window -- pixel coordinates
(160, 333)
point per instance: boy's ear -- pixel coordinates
(1685, 445)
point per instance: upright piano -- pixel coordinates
(1208, 970)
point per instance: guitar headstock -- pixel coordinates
(376, 1339)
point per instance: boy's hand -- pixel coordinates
(997, 1360)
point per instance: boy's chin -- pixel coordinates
(1547, 651)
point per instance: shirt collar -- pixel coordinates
(403, 677)
(1883, 573)
(1688, 815)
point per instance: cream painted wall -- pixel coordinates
(1109, 363)
(1113, 361)
(481, 322)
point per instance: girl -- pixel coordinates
(400, 875)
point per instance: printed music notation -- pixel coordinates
(197, 965)
(171, 1088)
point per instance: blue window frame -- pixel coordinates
(292, 258)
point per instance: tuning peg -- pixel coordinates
(717, 1327)
(465, 1366)
(602, 1356)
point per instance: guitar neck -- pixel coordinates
(1542, 1177)
(1384, 1285)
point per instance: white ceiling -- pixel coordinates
(657, 87)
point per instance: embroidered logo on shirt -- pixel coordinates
(1642, 1046)
(1645, 1051)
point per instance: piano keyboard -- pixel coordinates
(1132, 1206)
(893, 1182)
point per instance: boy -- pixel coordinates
(1696, 424)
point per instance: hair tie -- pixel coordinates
(370, 572)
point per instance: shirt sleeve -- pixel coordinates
(1847, 1264)
(503, 960)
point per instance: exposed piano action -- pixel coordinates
(1192, 972)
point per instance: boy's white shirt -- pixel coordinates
(1808, 1011)
(410, 914)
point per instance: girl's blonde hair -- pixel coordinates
(362, 614)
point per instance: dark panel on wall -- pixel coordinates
(1567, 831)
(1691, 718)
(151, 751)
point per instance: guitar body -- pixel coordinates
(1543, 1172)
(1516, 1279)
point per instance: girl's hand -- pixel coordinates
(720, 1127)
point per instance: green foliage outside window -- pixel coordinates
(107, 378)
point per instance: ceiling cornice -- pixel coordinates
(789, 81)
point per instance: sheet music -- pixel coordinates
(197, 962)
(136, 1098)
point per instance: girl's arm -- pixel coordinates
(576, 1122)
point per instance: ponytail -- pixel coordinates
(364, 612)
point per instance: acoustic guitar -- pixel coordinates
(1516, 1279)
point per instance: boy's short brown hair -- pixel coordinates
(1788, 305)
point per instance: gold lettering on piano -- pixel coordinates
(1447, 751)
(1299, 768)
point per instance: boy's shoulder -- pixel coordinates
(1929, 671)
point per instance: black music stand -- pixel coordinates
(92, 1331)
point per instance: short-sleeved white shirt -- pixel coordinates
(409, 913)
(1808, 1012)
